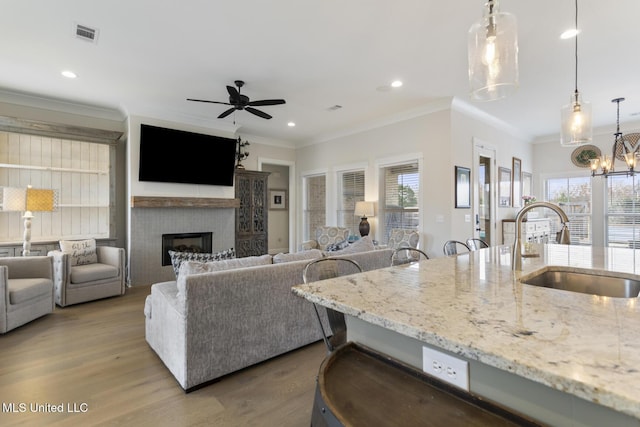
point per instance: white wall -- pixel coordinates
(443, 138)
(467, 127)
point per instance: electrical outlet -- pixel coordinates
(446, 367)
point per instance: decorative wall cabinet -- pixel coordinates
(252, 215)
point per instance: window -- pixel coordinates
(79, 171)
(399, 198)
(573, 195)
(315, 214)
(351, 191)
(622, 216)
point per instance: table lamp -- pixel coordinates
(28, 200)
(363, 210)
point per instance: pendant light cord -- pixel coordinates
(576, 50)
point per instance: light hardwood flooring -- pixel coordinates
(93, 360)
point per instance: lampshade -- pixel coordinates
(14, 199)
(493, 54)
(28, 199)
(364, 209)
(40, 200)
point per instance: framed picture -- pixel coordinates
(516, 183)
(504, 187)
(527, 186)
(463, 187)
(278, 199)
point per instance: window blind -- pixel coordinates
(573, 195)
(400, 197)
(351, 191)
(623, 216)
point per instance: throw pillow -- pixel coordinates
(298, 256)
(337, 246)
(178, 257)
(81, 252)
(362, 245)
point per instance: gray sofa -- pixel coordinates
(210, 324)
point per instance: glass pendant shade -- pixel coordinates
(576, 122)
(493, 55)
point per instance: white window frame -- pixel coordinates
(381, 164)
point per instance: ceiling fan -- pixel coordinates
(242, 102)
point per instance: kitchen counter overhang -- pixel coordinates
(475, 306)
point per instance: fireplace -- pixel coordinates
(185, 242)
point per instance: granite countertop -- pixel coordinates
(475, 306)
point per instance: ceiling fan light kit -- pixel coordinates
(238, 101)
(493, 54)
(576, 115)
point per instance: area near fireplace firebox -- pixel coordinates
(150, 221)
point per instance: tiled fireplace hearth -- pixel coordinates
(151, 218)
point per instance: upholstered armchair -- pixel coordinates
(26, 284)
(100, 277)
(402, 237)
(325, 236)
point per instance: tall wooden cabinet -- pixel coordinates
(252, 215)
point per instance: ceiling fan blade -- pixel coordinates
(267, 102)
(233, 92)
(210, 102)
(226, 113)
(258, 113)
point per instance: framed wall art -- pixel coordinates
(504, 187)
(278, 199)
(516, 183)
(463, 187)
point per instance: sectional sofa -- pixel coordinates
(222, 316)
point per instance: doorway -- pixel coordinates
(484, 194)
(281, 181)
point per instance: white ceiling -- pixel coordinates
(151, 55)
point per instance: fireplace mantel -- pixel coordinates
(183, 202)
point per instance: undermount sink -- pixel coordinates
(585, 281)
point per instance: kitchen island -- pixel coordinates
(561, 357)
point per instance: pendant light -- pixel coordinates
(576, 115)
(493, 54)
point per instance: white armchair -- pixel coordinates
(87, 282)
(26, 286)
(325, 236)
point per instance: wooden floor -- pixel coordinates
(94, 361)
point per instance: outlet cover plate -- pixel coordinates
(445, 367)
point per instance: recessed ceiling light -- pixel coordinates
(570, 33)
(69, 74)
(396, 83)
(291, 124)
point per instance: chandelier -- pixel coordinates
(622, 149)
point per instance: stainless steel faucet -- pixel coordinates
(562, 237)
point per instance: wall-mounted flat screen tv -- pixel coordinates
(169, 155)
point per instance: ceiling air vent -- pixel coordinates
(86, 33)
